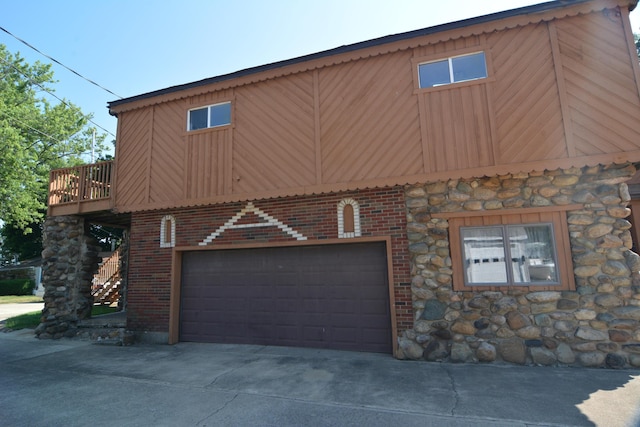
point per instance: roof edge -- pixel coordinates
(527, 10)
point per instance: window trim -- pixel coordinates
(449, 61)
(555, 215)
(209, 107)
(508, 254)
(417, 61)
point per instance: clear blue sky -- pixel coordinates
(137, 46)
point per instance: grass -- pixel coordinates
(16, 299)
(31, 320)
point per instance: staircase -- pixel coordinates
(106, 282)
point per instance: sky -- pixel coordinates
(131, 47)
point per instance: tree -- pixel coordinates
(35, 137)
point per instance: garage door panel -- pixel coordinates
(326, 296)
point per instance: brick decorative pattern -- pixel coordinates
(357, 232)
(171, 242)
(382, 213)
(264, 220)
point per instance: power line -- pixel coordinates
(60, 63)
(54, 95)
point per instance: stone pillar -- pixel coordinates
(69, 261)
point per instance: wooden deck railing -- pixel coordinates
(80, 184)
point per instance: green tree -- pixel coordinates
(36, 136)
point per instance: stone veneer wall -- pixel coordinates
(69, 260)
(596, 325)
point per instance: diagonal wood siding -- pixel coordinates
(368, 111)
(559, 93)
(167, 155)
(274, 135)
(602, 93)
(132, 154)
(527, 106)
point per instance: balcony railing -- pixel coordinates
(80, 189)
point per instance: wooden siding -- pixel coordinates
(133, 157)
(369, 120)
(601, 91)
(529, 121)
(167, 153)
(274, 140)
(560, 93)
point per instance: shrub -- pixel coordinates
(17, 287)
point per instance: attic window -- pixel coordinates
(455, 69)
(210, 116)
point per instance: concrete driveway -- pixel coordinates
(16, 309)
(76, 383)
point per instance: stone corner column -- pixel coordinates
(69, 261)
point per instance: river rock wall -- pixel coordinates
(597, 325)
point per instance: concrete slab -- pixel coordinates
(76, 383)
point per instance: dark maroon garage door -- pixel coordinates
(325, 296)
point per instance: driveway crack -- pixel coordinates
(214, 413)
(456, 396)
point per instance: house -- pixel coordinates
(28, 269)
(456, 193)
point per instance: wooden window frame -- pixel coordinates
(553, 215)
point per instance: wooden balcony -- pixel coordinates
(81, 189)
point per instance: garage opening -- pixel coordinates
(333, 296)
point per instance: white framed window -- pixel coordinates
(209, 117)
(454, 69)
(509, 255)
(168, 231)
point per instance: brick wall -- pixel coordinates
(382, 213)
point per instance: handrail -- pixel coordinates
(80, 183)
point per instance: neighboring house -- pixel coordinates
(27, 269)
(454, 193)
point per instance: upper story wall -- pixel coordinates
(562, 91)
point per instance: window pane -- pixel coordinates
(198, 119)
(434, 74)
(533, 257)
(220, 114)
(469, 67)
(484, 255)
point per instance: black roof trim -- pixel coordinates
(537, 8)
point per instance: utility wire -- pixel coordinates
(54, 95)
(60, 63)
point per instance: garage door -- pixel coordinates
(325, 296)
